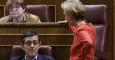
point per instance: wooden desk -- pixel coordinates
(50, 33)
(41, 28)
(58, 36)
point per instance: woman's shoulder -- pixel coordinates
(34, 18)
(4, 19)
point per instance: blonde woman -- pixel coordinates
(83, 45)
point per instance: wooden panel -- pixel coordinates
(2, 10)
(52, 10)
(5, 52)
(42, 28)
(56, 34)
(2, 2)
(45, 39)
(114, 31)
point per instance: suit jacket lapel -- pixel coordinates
(21, 58)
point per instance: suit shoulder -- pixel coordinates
(45, 57)
(17, 58)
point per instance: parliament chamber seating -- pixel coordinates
(59, 36)
(97, 15)
(40, 10)
(43, 50)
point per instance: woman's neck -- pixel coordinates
(79, 23)
(18, 18)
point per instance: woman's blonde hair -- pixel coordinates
(9, 2)
(74, 7)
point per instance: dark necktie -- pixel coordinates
(33, 58)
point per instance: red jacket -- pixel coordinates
(83, 46)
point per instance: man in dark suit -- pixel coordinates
(31, 44)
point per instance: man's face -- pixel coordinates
(31, 45)
(16, 10)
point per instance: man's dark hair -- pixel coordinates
(28, 34)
